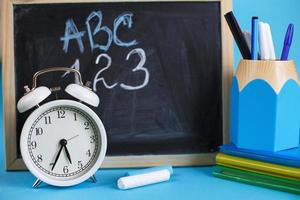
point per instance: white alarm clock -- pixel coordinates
(63, 142)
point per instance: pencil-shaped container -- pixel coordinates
(265, 105)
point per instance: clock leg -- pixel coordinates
(37, 183)
(93, 178)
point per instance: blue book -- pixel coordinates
(290, 157)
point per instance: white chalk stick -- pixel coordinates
(129, 182)
(150, 169)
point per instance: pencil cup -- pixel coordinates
(265, 105)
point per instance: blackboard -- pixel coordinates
(157, 68)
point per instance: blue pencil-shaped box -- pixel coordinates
(265, 106)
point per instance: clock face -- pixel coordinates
(62, 142)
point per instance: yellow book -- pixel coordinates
(258, 166)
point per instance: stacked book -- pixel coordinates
(276, 170)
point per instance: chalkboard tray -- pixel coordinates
(161, 69)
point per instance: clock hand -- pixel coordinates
(57, 157)
(68, 154)
(62, 143)
(73, 137)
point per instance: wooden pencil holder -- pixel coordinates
(265, 105)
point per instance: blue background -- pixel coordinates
(189, 182)
(278, 13)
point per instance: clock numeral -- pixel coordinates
(80, 165)
(75, 117)
(47, 120)
(93, 139)
(87, 125)
(39, 131)
(88, 153)
(39, 158)
(61, 114)
(33, 144)
(65, 169)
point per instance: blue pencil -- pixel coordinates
(254, 38)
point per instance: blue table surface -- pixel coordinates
(185, 183)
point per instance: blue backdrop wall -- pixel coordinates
(278, 13)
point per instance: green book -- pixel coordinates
(252, 178)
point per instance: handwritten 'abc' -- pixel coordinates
(125, 19)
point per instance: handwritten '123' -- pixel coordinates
(124, 19)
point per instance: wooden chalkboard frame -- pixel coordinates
(9, 101)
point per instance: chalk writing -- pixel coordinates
(94, 26)
(126, 19)
(98, 29)
(97, 79)
(71, 32)
(76, 66)
(140, 65)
